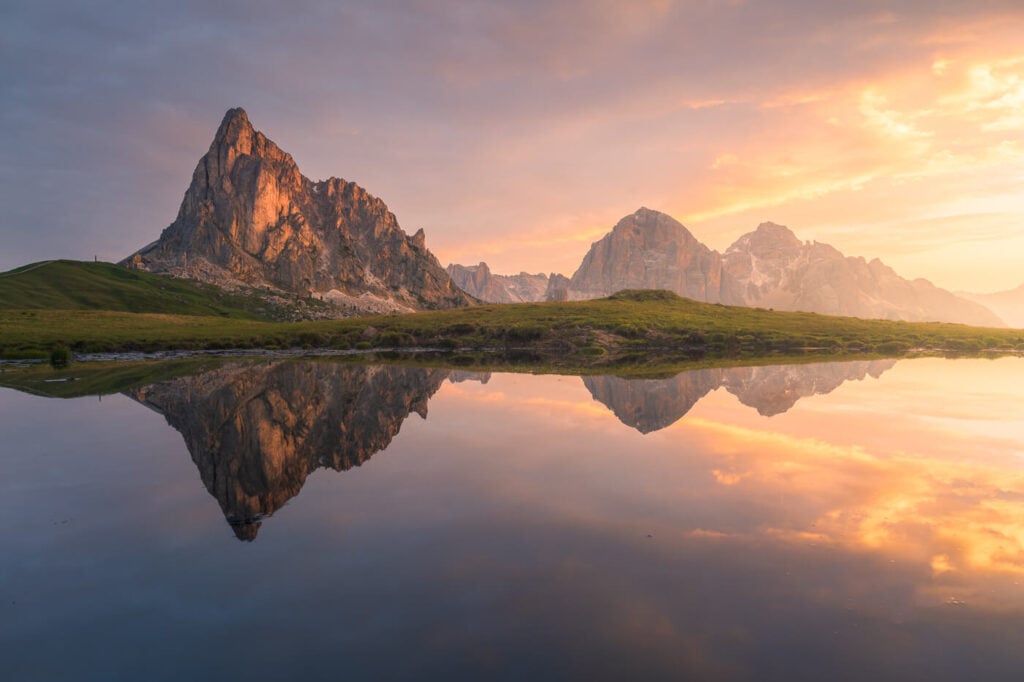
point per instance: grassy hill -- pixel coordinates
(77, 285)
(629, 326)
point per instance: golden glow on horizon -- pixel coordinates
(934, 484)
(919, 166)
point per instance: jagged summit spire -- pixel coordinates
(233, 118)
(235, 131)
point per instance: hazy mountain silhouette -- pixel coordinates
(771, 268)
(1008, 305)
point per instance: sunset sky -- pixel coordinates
(520, 132)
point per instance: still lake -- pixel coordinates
(314, 520)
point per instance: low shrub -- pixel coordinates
(60, 357)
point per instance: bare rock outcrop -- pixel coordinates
(651, 250)
(478, 281)
(250, 219)
(558, 288)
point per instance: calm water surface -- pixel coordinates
(310, 520)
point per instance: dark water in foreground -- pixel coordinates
(290, 520)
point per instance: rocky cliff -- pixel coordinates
(652, 404)
(558, 288)
(650, 250)
(250, 218)
(771, 268)
(478, 281)
(256, 431)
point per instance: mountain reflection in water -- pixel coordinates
(256, 431)
(652, 404)
(521, 531)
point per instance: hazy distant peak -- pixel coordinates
(767, 238)
(1008, 305)
(478, 281)
(648, 249)
(651, 224)
(770, 229)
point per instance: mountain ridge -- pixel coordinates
(480, 282)
(769, 267)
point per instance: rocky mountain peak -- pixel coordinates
(478, 281)
(251, 219)
(649, 250)
(235, 130)
(768, 240)
(771, 268)
(774, 233)
(648, 225)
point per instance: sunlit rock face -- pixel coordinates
(480, 282)
(650, 250)
(256, 431)
(771, 268)
(651, 404)
(251, 218)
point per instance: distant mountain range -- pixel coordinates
(769, 268)
(499, 288)
(1008, 305)
(250, 219)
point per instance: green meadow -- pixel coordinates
(103, 308)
